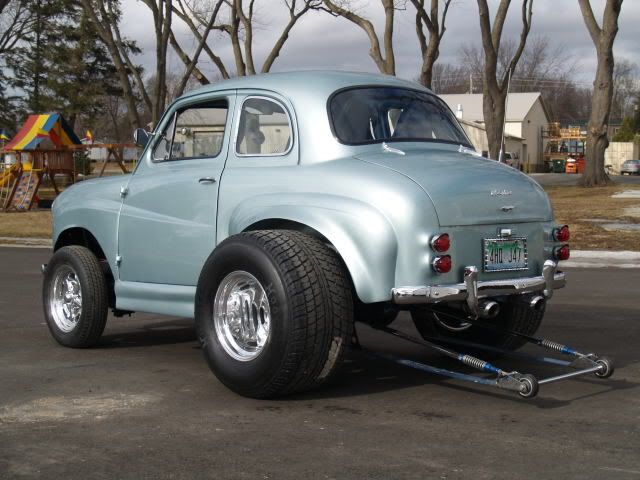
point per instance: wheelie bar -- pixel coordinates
(526, 385)
(584, 363)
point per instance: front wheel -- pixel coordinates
(75, 297)
(274, 312)
(450, 323)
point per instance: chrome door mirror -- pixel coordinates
(141, 137)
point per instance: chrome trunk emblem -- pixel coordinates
(501, 193)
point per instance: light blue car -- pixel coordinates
(277, 209)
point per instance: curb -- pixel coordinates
(602, 259)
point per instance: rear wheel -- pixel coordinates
(514, 316)
(274, 312)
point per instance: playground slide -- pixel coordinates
(5, 177)
(25, 192)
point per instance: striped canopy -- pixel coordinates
(39, 128)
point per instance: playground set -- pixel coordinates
(45, 147)
(565, 148)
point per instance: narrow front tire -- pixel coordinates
(75, 297)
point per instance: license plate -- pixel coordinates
(503, 254)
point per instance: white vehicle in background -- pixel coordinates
(630, 167)
(512, 160)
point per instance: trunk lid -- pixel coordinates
(467, 189)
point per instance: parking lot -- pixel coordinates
(144, 404)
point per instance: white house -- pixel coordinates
(525, 119)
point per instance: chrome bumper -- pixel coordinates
(472, 289)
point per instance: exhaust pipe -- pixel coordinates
(488, 309)
(537, 303)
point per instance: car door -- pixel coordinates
(167, 224)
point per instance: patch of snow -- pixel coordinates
(627, 194)
(621, 226)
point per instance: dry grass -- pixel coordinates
(574, 205)
(34, 224)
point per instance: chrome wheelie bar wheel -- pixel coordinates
(65, 299)
(242, 317)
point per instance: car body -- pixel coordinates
(630, 167)
(298, 151)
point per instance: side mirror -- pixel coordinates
(141, 137)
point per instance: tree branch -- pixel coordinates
(590, 21)
(184, 16)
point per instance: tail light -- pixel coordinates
(442, 264)
(562, 253)
(441, 243)
(561, 234)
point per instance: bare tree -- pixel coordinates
(192, 17)
(240, 30)
(435, 26)
(383, 56)
(162, 15)
(603, 38)
(105, 15)
(16, 23)
(626, 87)
(447, 78)
(494, 85)
(543, 67)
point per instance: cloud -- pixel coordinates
(322, 41)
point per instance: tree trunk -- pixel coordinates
(493, 106)
(107, 36)
(428, 60)
(495, 90)
(597, 140)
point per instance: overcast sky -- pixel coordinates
(322, 41)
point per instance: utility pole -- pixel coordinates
(470, 82)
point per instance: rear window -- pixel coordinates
(385, 114)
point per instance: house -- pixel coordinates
(478, 136)
(526, 118)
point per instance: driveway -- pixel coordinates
(143, 405)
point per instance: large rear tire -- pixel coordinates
(274, 312)
(514, 316)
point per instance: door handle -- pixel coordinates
(207, 180)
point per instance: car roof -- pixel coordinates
(321, 82)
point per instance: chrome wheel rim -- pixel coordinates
(65, 299)
(460, 326)
(242, 316)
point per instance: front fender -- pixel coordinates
(93, 206)
(363, 237)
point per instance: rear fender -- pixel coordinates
(361, 235)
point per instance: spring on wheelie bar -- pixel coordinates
(556, 347)
(473, 362)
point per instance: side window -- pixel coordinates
(264, 128)
(193, 132)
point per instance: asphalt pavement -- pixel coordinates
(144, 405)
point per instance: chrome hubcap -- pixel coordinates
(242, 316)
(453, 326)
(65, 300)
